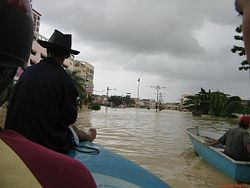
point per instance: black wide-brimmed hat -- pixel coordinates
(59, 40)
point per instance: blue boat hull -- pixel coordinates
(237, 170)
(112, 170)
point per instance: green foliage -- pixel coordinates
(78, 80)
(94, 106)
(117, 101)
(246, 108)
(192, 101)
(239, 49)
(239, 29)
(204, 100)
(215, 103)
(232, 107)
(199, 102)
(79, 84)
(244, 65)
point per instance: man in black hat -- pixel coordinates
(24, 163)
(43, 106)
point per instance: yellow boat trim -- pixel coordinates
(13, 172)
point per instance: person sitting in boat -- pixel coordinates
(24, 163)
(236, 141)
(43, 107)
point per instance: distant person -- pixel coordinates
(24, 163)
(236, 141)
(43, 107)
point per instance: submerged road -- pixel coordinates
(158, 142)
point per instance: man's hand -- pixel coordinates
(212, 143)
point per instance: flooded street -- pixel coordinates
(157, 142)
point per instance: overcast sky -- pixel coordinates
(180, 45)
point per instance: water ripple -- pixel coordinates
(156, 141)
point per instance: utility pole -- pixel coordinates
(161, 100)
(107, 96)
(86, 85)
(158, 88)
(138, 91)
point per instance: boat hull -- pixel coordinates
(112, 170)
(237, 170)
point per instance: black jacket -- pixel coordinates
(43, 105)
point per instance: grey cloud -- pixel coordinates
(136, 26)
(152, 37)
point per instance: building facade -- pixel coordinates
(36, 22)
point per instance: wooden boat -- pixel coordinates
(237, 170)
(112, 170)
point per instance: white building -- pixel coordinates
(36, 22)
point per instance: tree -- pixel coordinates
(117, 101)
(217, 103)
(232, 107)
(199, 103)
(214, 104)
(204, 100)
(246, 108)
(239, 49)
(79, 84)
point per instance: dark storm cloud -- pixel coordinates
(174, 41)
(136, 26)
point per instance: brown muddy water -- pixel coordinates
(157, 142)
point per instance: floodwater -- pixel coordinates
(157, 142)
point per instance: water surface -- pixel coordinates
(158, 142)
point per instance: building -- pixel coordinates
(36, 22)
(37, 51)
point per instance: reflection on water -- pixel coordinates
(158, 142)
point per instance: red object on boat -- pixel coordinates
(245, 120)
